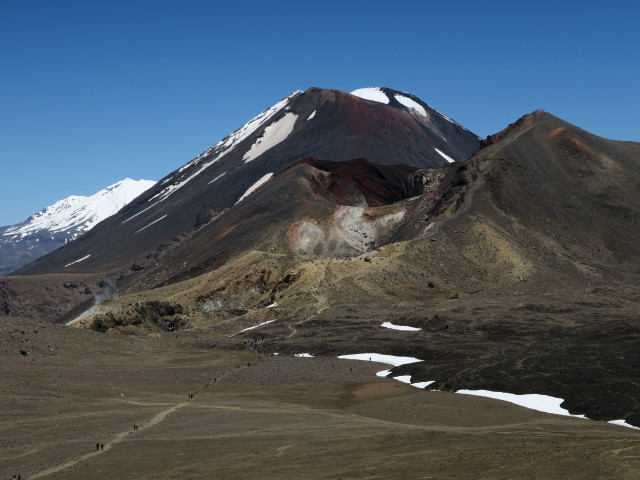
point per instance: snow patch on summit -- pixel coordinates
(411, 104)
(375, 94)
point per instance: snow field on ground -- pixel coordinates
(381, 358)
(622, 423)
(534, 401)
(393, 326)
(407, 379)
(390, 360)
(540, 403)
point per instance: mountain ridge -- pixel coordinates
(63, 222)
(519, 265)
(343, 127)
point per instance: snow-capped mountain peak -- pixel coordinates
(407, 101)
(76, 214)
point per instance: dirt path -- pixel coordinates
(120, 437)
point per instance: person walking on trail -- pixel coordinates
(97, 447)
(102, 446)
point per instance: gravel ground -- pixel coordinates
(254, 415)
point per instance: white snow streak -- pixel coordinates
(303, 355)
(255, 186)
(219, 176)
(444, 155)
(139, 213)
(272, 136)
(274, 304)
(411, 104)
(147, 226)
(399, 327)
(374, 94)
(256, 326)
(313, 114)
(79, 260)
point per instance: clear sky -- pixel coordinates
(93, 91)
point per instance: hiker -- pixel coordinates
(97, 447)
(102, 446)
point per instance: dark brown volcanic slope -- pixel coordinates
(304, 209)
(317, 123)
(542, 256)
(520, 266)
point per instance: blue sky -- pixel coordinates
(95, 91)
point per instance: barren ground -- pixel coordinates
(277, 418)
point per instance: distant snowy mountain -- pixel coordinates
(63, 222)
